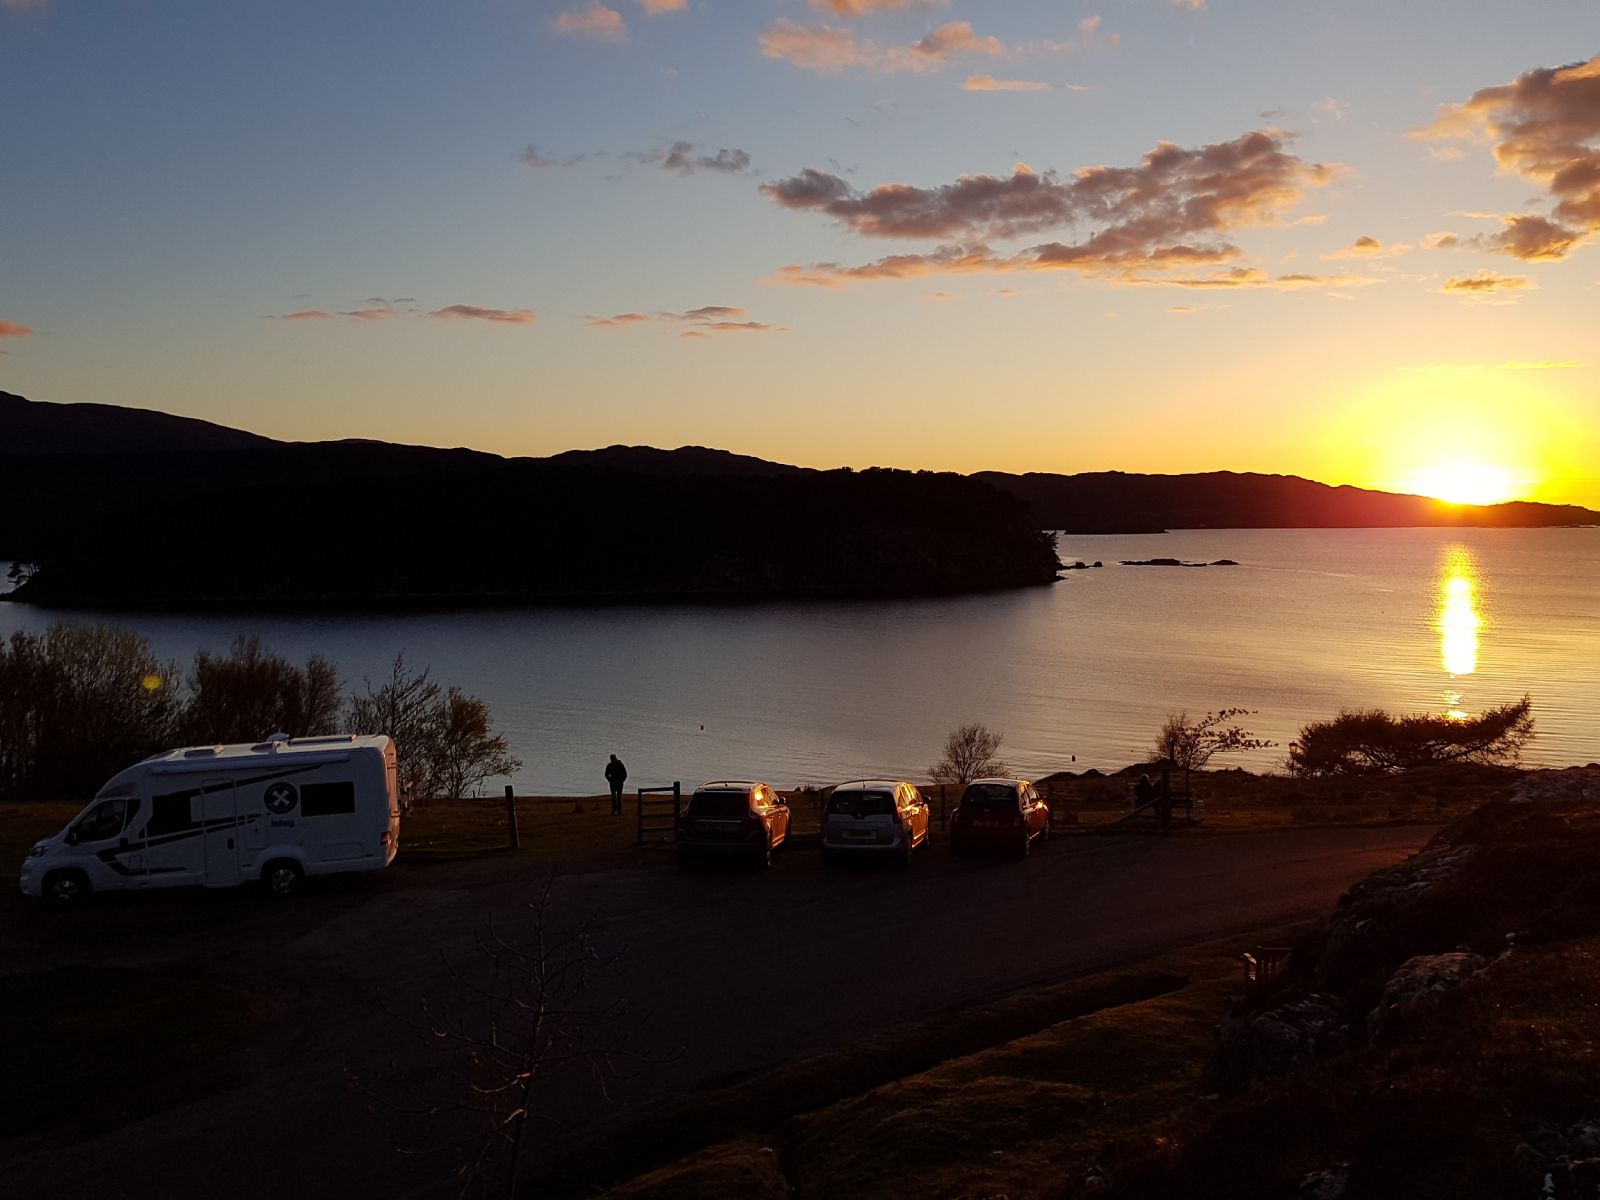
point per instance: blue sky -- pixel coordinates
(177, 178)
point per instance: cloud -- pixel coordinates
(705, 321)
(657, 7)
(24, 5)
(472, 312)
(861, 8)
(1486, 283)
(1170, 212)
(11, 329)
(1545, 127)
(939, 296)
(1446, 153)
(831, 49)
(988, 83)
(593, 20)
(1444, 240)
(680, 157)
(1196, 5)
(1369, 247)
(1337, 109)
(531, 157)
(1089, 38)
(307, 314)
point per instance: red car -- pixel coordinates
(999, 814)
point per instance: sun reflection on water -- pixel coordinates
(1459, 622)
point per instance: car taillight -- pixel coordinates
(385, 838)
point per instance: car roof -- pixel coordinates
(861, 785)
(730, 785)
(1008, 781)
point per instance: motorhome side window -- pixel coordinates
(327, 799)
(169, 814)
(104, 820)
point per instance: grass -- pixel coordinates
(995, 1100)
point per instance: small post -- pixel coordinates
(511, 819)
(941, 806)
(677, 806)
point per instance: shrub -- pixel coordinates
(1371, 741)
(1192, 744)
(969, 753)
(251, 693)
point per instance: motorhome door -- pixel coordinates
(220, 816)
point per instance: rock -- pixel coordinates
(1279, 1043)
(1224, 562)
(1570, 784)
(1577, 1180)
(1419, 989)
(1332, 1183)
(1098, 563)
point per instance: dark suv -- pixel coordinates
(733, 818)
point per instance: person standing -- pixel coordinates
(616, 776)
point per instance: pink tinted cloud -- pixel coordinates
(1545, 127)
(861, 8)
(473, 312)
(1369, 247)
(988, 83)
(657, 7)
(12, 329)
(616, 321)
(1486, 283)
(832, 49)
(592, 20)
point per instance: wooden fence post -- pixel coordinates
(511, 818)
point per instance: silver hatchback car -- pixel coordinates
(885, 818)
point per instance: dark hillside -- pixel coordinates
(1114, 502)
(35, 427)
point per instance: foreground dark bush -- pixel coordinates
(1369, 741)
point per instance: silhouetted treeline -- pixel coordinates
(356, 524)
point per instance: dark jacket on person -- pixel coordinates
(616, 773)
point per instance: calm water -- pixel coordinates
(1408, 620)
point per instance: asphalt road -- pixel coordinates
(740, 970)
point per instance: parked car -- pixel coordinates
(733, 818)
(878, 817)
(999, 814)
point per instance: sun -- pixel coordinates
(1464, 483)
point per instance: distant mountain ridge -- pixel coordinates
(1093, 502)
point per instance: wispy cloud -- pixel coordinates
(530, 157)
(680, 157)
(473, 312)
(861, 8)
(592, 20)
(24, 5)
(831, 49)
(1544, 126)
(12, 329)
(988, 83)
(377, 312)
(656, 7)
(1486, 283)
(1369, 247)
(1197, 5)
(706, 321)
(1090, 37)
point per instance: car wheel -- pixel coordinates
(764, 857)
(905, 858)
(65, 889)
(282, 878)
(1027, 843)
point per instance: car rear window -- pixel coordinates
(990, 795)
(861, 804)
(719, 804)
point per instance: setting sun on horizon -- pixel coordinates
(1464, 483)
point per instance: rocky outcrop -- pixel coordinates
(1279, 1043)
(1418, 990)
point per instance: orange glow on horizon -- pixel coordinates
(1464, 483)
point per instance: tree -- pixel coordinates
(445, 738)
(469, 749)
(1370, 741)
(1192, 744)
(505, 1041)
(406, 707)
(969, 753)
(250, 693)
(77, 704)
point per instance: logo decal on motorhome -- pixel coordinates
(281, 797)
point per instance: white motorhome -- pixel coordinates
(217, 816)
